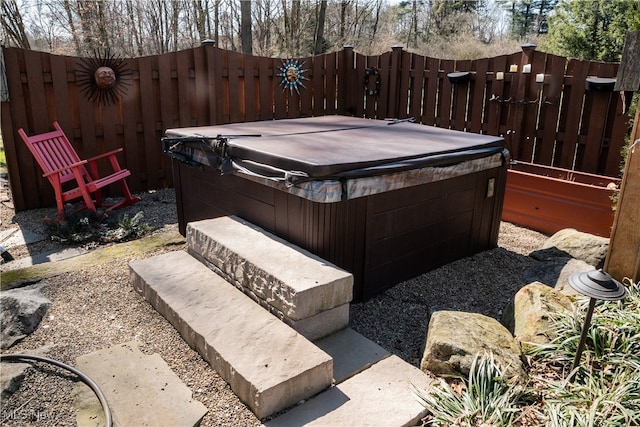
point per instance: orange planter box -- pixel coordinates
(548, 199)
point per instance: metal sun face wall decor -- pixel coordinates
(292, 75)
(103, 78)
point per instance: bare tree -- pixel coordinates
(12, 24)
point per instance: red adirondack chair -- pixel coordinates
(70, 177)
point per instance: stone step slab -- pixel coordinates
(140, 389)
(351, 353)
(289, 278)
(268, 365)
(379, 396)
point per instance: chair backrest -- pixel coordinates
(52, 151)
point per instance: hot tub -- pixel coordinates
(385, 200)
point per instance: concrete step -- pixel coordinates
(268, 365)
(305, 291)
(380, 395)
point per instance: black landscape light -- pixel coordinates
(597, 285)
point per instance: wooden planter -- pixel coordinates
(548, 199)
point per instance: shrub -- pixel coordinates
(96, 227)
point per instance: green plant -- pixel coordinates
(604, 390)
(612, 399)
(3, 159)
(487, 398)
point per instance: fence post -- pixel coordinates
(346, 85)
(394, 81)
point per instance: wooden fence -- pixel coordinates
(546, 115)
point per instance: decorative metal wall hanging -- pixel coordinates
(292, 75)
(103, 78)
(368, 73)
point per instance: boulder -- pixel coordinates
(555, 273)
(454, 338)
(21, 311)
(11, 376)
(576, 244)
(529, 315)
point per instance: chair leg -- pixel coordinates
(60, 206)
(88, 201)
(128, 199)
(98, 196)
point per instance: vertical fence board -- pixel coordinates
(461, 98)
(201, 87)
(59, 80)
(478, 93)
(531, 106)
(516, 97)
(394, 83)
(550, 109)
(306, 91)
(429, 101)
(446, 94)
(372, 91)
(330, 82)
(345, 81)
(360, 93)
(130, 119)
(215, 63)
(265, 82)
(184, 63)
(236, 87)
(22, 176)
(317, 84)
(418, 63)
(279, 95)
(596, 105)
(148, 95)
(37, 103)
(572, 104)
(403, 94)
(496, 94)
(250, 92)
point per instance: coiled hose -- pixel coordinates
(85, 379)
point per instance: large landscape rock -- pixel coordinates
(455, 338)
(583, 246)
(21, 311)
(529, 315)
(555, 273)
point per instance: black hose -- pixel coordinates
(85, 379)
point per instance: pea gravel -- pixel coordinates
(96, 308)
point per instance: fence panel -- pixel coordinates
(554, 121)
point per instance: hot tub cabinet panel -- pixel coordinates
(381, 239)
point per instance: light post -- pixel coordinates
(597, 285)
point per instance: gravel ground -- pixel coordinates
(94, 309)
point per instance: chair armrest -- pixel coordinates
(68, 167)
(108, 154)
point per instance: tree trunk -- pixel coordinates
(320, 45)
(245, 27)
